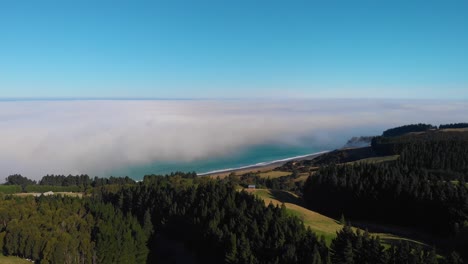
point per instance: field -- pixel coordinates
(46, 188)
(303, 177)
(320, 224)
(12, 260)
(9, 189)
(259, 169)
(454, 129)
(264, 172)
(376, 159)
(274, 174)
(71, 194)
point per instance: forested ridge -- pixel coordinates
(425, 188)
(182, 218)
(456, 125)
(413, 128)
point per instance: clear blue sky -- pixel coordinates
(234, 48)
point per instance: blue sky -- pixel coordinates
(234, 49)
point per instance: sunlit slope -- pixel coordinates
(12, 260)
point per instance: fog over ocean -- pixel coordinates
(137, 137)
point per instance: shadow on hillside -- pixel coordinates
(286, 197)
(415, 237)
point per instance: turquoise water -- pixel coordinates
(246, 157)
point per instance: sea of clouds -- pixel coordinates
(98, 136)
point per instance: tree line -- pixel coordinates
(73, 183)
(455, 125)
(414, 128)
(401, 130)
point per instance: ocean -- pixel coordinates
(252, 156)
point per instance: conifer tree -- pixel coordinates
(316, 259)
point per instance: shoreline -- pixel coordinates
(267, 165)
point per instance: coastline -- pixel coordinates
(262, 166)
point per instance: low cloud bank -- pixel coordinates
(95, 137)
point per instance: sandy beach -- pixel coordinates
(268, 166)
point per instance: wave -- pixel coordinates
(261, 164)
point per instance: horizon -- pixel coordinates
(8, 99)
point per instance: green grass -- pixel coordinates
(320, 224)
(274, 174)
(456, 182)
(9, 189)
(389, 239)
(376, 159)
(12, 260)
(46, 188)
(302, 177)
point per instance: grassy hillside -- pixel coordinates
(320, 224)
(274, 174)
(376, 159)
(12, 260)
